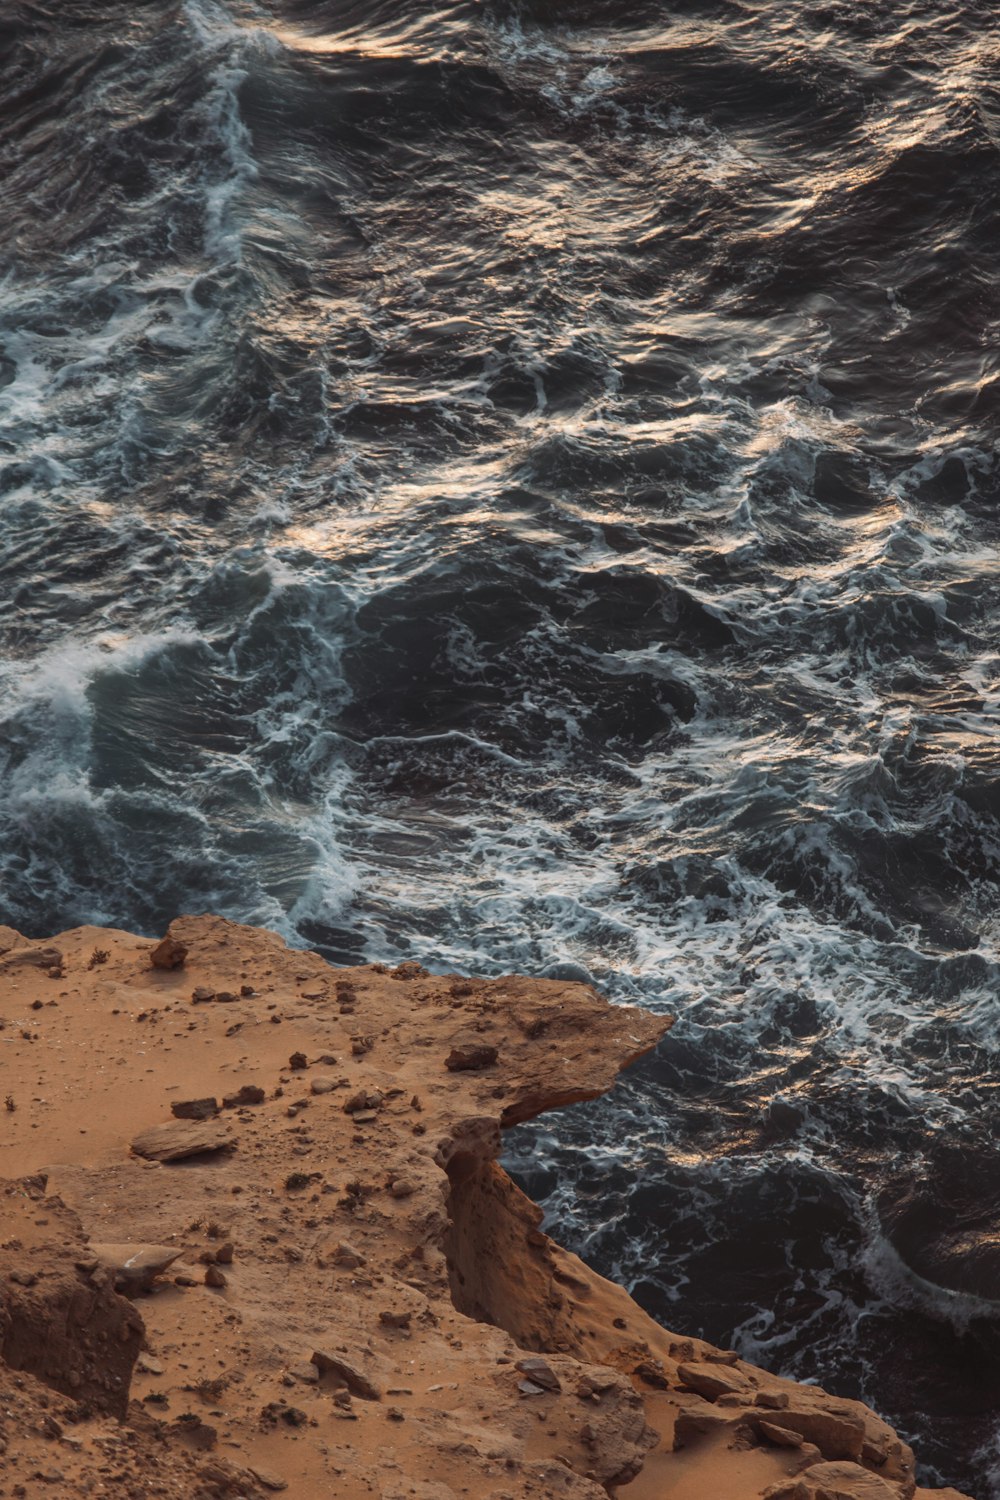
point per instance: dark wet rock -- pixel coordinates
(945, 1223)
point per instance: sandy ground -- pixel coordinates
(326, 1285)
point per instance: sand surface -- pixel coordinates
(326, 1285)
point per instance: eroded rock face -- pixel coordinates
(63, 1324)
(391, 1320)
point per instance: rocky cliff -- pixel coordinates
(254, 1237)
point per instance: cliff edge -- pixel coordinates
(254, 1238)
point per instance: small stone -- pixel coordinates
(340, 1254)
(469, 1054)
(185, 1281)
(194, 1109)
(168, 954)
(307, 1374)
(393, 1414)
(215, 1277)
(322, 1084)
(314, 992)
(402, 1187)
(202, 995)
(147, 1365)
(247, 989)
(298, 1061)
(224, 1254)
(225, 997)
(395, 1319)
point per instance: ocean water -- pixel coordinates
(513, 484)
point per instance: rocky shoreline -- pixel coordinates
(255, 1238)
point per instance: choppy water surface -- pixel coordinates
(513, 485)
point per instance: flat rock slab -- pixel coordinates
(136, 1267)
(182, 1138)
(713, 1380)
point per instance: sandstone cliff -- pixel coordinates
(279, 1181)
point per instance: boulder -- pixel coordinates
(168, 953)
(713, 1381)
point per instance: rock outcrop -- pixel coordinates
(342, 1291)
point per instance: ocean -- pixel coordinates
(512, 484)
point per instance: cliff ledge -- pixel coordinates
(254, 1237)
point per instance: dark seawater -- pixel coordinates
(513, 485)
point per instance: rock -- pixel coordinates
(470, 1053)
(834, 1481)
(38, 958)
(402, 1187)
(225, 997)
(269, 1480)
(340, 1253)
(712, 1381)
(781, 1437)
(168, 954)
(539, 1371)
(248, 1093)
(134, 1268)
(147, 1365)
(298, 1061)
(392, 1319)
(836, 1436)
(353, 1377)
(182, 1139)
(364, 1099)
(194, 1433)
(693, 1423)
(314, 992)
(322, 1084)
(224, 1254)
(773, 1400)
(202, 995)
(70, 1330)
(215, 1277)
(194, 1109)
(307, 1374)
